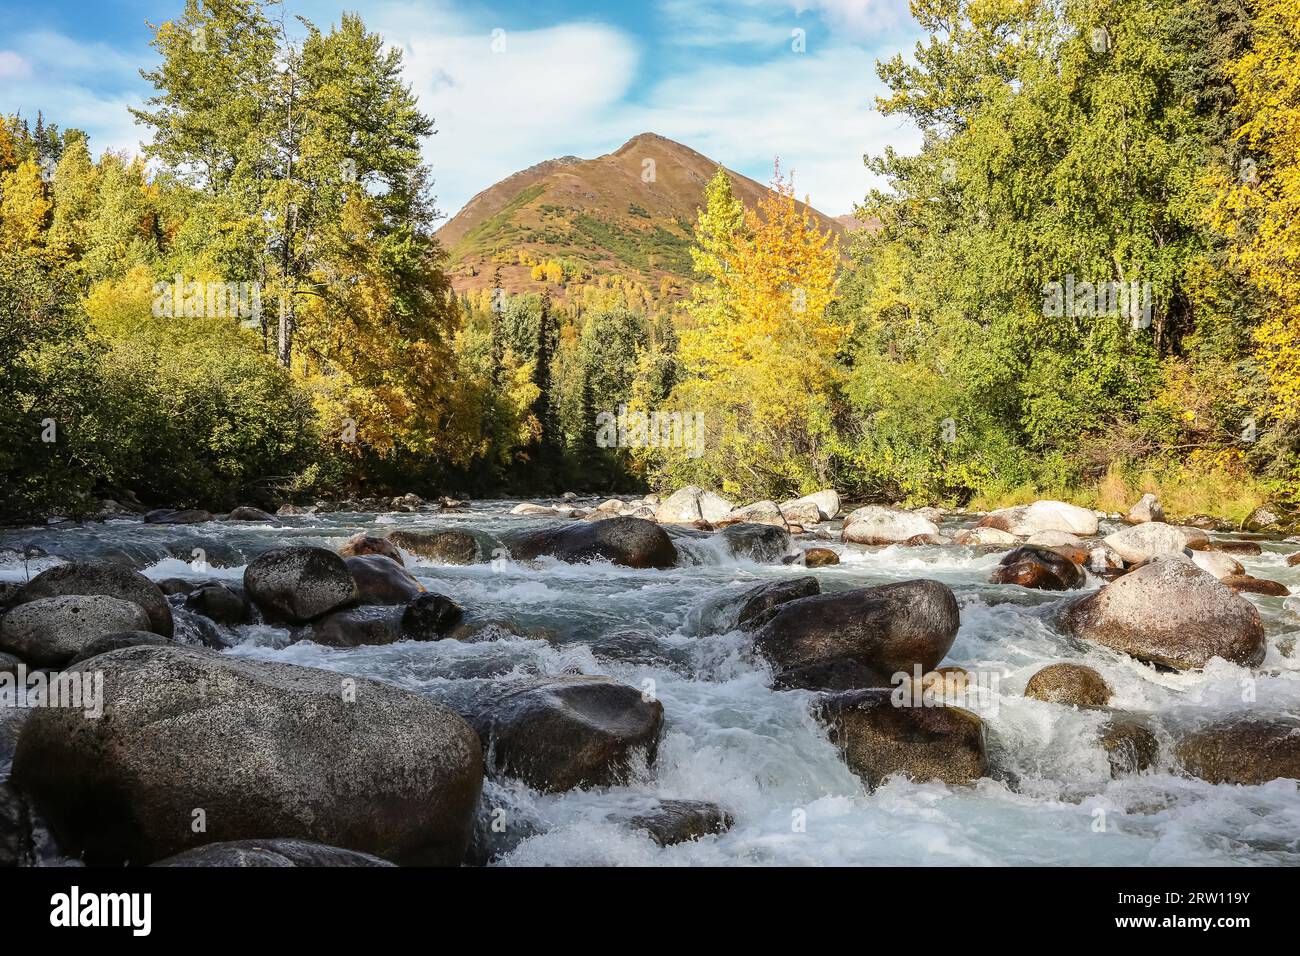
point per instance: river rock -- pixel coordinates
(669, 822)
(879, 739)
(262, 748)
(362, 544)
(1293, 560)
(1147, 509)
(820, 558)
(116, 641)
(1130, 745)
(9, 664)
(299, 584)
(1197, 540)
(282, 853)
(1040, 568)
(25, 837)
(1249, 548)
(985, 537)
(827, 501)
(365, 626)
(681, 507)
(1172, 613)
(1264, 518)
(1068, 683)
(444, 547)
(559, 733)
(714, 507)
(801, 513)
(760, 512)
(1243, 749)
(1248, 584)
(632, 542)
(761, 543)
(1216, 563)
(1143, 542)
(224, 603)
(767, 596)
(1025, 520)
(249, 513)
(381, 580)
(49, 632)
(875, 525)
(107, 578)
(430, 617)
(858, 638)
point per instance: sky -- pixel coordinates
(510, 84)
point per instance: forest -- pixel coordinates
(1085, 286)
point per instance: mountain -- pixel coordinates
(628, 214)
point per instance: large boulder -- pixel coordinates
(1041, 568)
(299, 584)
(1170, 612)
(52, 631)
(1068, 683)
(116, 641)
(381, 580)
(681, 507)
(801, 513)
(878, 525)
(1147, 509)
(858, 638)
(714, 507)
(107, 578)
(558, 733)
(261, 749)
(1265, 518)
(220, 602)
(1243, 749)
(879, 739)
(1025, 520)
(272, 853)
(1217, 563)
(985, 538)
(633, 542)
(1142, 542)
(368, 625)
(444, 547)
(826, 500)
(763, 543)
(764, 597)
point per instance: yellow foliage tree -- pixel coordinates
(24, 209)
(760, 355)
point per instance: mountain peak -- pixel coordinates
(629, 214)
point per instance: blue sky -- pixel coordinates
(580, 78)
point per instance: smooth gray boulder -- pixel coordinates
(50, 632)
(259, 748)
(299, 584)
(1169, 612)
(632, 542)
(876, 525)
(107, 578)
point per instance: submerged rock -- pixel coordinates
(764, 597)
(632, 542)
(559, 733)
(820, 558)
(761, 543)
(1170, 612)
(220, 602)
(858, 638)
(185, 516)
(1243, 750)
(260, 748)
(1040, 568)
(669, 822)
(276, 852)
(874, 525)
(1248, 584)
(445, 547)
(107, 578)
(299, 584)
(249, 513)
(1130, 745)
(429, 617)
(371, 624)
(1249, 548)
(1069, 683)
(879, 739)
(50, 632)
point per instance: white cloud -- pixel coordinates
(13, 66)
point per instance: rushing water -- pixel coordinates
(729, 739)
